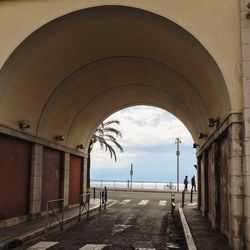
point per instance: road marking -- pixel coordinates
(144, 248)
(93, 247)
(124, 202)
(162, 203)
(119, 228)
(143, 202)
(42, 245)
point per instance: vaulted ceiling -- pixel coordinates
(73, 72)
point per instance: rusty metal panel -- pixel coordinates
(15, 168)
(75, 178)
(52, 176)
(223, 185)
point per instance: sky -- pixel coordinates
(148, 140)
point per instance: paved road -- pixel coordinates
(136, 221)
(118, 195)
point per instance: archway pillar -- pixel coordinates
(66, 165)
(85, 175)
(236, 197)
(36, 179)
(245, 46)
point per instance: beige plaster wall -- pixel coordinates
(214, 23)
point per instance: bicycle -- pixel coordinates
(169, 186)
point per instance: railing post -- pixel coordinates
(62, 210)
(88, 197)
(191, 197)
(102, 197)
(100, 204)
(128, 184)
(105, 194)
(47, 214)
(94, 192)
(183, 197)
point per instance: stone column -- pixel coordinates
(203, 184)
(236, 194)
(36, 180)
(245, 41)
(66, 165)
(85, 175)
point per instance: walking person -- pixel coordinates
(193, 183)
(186, 183)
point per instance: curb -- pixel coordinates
(189, 238)
(36, 232)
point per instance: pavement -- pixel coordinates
(30, 229)
(202, 234)
(198, 231)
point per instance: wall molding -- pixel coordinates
(34, 139)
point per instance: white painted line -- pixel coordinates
(144, 248)
(143, 202)
(42, 245)
(188, 235)
(162, 203)
(124, 202)
(119, 228)
(93, 247)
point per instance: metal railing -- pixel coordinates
(103, 198)
(144, 185)
(173, 205)
(54, 214)
(84, 205)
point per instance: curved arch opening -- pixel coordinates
(148, 140)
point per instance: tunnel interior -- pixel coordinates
(70, 74)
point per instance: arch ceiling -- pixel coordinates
(74, 71)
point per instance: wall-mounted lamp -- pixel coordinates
(195, 145)
(24, 124)
(212, 122)
(248, 14)
(201, 135)
(80, 146)
(59, 137)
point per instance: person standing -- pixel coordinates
(186, 183)
(193, 183)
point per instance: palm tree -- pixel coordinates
(106, 136)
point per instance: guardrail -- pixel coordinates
(84, 205)
(126, 184)
(103, 198)
(173, 205)
(55, 211)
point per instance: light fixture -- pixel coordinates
(195, 145)
(24, 124)
(213, 122)
(80, 146)
(201, 135)
(248, 14)
(59, 137)
(195, 166)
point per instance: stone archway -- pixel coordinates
(75, 70)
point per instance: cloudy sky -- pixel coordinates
(149, 143)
